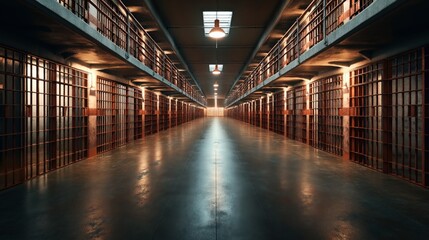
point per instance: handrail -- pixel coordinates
(114, 21)
(319, 19)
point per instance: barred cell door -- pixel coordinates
(42, 119)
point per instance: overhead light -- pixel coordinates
(215, 94)
(215, 85)
(213, 66)
(217, 31)
(215, 88)
(216, 70)
(217, 23)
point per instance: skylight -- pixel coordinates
(224, 19)
(212, 67)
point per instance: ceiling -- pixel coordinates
(178, 28)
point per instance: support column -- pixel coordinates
(260, 113)
(284, 112)
(157, 113)
(92, 115)
(268, 111)
(176, 114)
(144, 111)
(169, 112)
(307, 111)
(345, 112)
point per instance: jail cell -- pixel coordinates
(326, 124)
(43, 125)
(112, 22)
(252, 112)
(290, 118)
(300, 117)
(78, 7)
(118, 120)
(130, 114)
(173, 107)
(264, 113)
(279, 117)
(310, 30)
(179, 112)
(134, 120)
(120, 116)
(316, 89)
(258, 113)
(366, 115)
(185, 112)
(150, 116)
(163, 113)
(408, 81)
(271, 112)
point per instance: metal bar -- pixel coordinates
(128, 33)
(305, 33)
(324, 20)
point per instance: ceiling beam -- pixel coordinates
(170, 39)
(262, 40)
(219, 46)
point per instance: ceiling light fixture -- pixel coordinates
(215, 85)
(216, 70)
(217, 23)
(217, 31)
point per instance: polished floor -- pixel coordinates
(215, 178)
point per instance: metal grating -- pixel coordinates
(135, 101)
(408, 116)
(290, 118)
(326, 124)
(312, 27)
(173, 107)
(118, 118)
(114, 21)
(300, 117)
(279, 117)
(365, 120)
(180, 113)
(43, 125)
(264, 113)
(258, 113)
(163, 113)
(150, 116)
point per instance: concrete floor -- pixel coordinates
(215, 178)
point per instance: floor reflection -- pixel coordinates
(214, 178)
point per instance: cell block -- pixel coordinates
(326, 124)
(43, 124)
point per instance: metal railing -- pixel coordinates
(320, 18)
(114, 21)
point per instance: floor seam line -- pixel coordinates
(216, 194)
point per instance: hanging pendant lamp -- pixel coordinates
(216, 70)
(217, 31)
